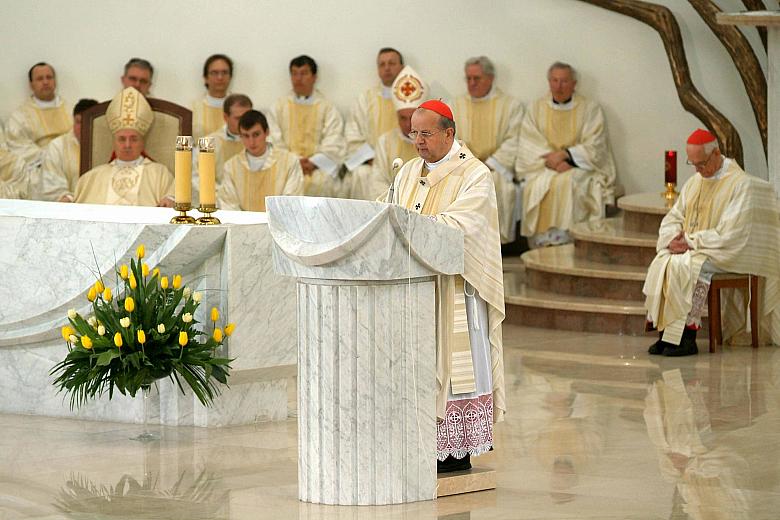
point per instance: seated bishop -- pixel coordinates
(130, 178)
(260, 170)
(724, 220)
(489, 123)
(372, 115)
(564, 161)
(311, 127)
(61, 161)
(454, 188)
(40, 119)
(409, 89)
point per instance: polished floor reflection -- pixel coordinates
(596, 429)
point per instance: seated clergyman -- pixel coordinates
(564, 160)
(723, 221)
(130, 178)
(138, 74)
(260, 171)
(451, 186)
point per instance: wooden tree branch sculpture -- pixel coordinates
(757, 5)
(744, 59)
(662, 20)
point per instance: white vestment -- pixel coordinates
(60, 170)
(34, 125)
(206, 116)
(138, 183)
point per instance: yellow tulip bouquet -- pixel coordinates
(133, 340)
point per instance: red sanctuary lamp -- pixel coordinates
(670, 176)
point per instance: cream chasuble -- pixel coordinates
(312, 129)
(560, 200)
(390, 145)
(733, 222)
(459, 193)
(372, 115)
(31, 128)
(206, 117)
(490, 126)
(244, 189)
(225, 147)
(60, 170)
(143, 184)
(13, 178)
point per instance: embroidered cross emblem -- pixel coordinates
(462, 156)
(422, 182)
(408, 88)
(417, 206)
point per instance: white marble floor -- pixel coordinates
(596, 429)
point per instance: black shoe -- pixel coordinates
(452, 464)
(687, 346)
(657, 348)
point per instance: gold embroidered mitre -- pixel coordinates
(409, 89)
(129, 110)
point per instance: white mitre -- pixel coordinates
(409, 89)
(129, 110)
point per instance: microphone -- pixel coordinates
(397, 163)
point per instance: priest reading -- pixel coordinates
(489, 123)
(450, 185)
(407, 92)
(259, 171)
(43, 116)
(131, 178)
(723, 221)
(565, 160)
(311, 127)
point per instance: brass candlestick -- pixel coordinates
(670, 195)
(182, 217)
(207, 219)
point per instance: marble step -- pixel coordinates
(559, 270)
(546, 309)
(643, 212)
(608, 241)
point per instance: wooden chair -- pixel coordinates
(170, 120)
(731, 281)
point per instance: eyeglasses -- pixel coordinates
(219, 73)
(425, 134)
(701, 164)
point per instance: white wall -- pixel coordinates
(621, 61)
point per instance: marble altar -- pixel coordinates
(50, 256)
(367, 344)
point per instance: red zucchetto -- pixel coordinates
(700, 136)
(434, 105)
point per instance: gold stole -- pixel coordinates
(561, 132)
(482, 127)
(228, 151)
(430, 195)
(53, 122)
(303, 131)
(704, 207)
(256, 186)
(211, 118)
(383, 113)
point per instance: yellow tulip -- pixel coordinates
(145, 270)
(141, 251)
(86, 342)
(155, 272)
(123, 272)
(141, 337)
(129, 304)
(183, 340)
(118, 339)
(164, 282)
(177, 281)
(229, 328)
(214, 314)
(92, 294)
(133, 282)
(107, 294)
(66, 332)
(99, 287)
(217, 334)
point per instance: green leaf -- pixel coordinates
(106, 357)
